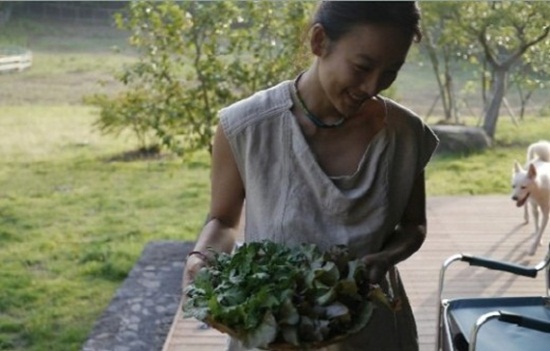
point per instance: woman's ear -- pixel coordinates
(318, 41)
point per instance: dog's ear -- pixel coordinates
(532, 172)
(517, 167)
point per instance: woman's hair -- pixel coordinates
(339, 17)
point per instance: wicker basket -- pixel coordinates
(307, 346)
(278, 346)
(367, 292)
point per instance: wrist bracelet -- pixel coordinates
(200, 254)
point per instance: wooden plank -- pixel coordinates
(482, 225)
(15, 62)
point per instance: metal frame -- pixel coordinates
(443, 329)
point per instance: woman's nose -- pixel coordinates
(370, 85)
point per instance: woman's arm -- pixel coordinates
(226, 202)
(407, 237)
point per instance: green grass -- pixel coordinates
(64, 78)
(488, 171)
(73, 222)
(69, 62)
(74, 217)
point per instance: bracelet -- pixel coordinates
(200, 254)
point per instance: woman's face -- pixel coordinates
(360, 64)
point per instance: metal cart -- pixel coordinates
(496, 323)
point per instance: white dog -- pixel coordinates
(533, 185)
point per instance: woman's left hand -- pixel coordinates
(377, 266)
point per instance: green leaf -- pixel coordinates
(266, 291)
(328, 274)
(264, 334)
(337, 310)
(327, 297)
(290, 335)
(288, 314)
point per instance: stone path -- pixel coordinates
(142, 311)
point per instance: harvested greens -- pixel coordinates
(266, 294)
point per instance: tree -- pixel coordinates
(505, 31)
(443, 43)
(195, 58)
(6, 10)
(506, 41)
(532, 73)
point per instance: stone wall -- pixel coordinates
(142, 310)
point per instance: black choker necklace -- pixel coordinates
(311, 116)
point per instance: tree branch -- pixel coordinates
(486, 49)
(526, 45)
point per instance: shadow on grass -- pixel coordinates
(141, 154)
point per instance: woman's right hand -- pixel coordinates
(192, 266)
(226, 204)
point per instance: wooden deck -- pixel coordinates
(482, 225)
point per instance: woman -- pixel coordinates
(325, 159)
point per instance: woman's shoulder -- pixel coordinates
(408, 125)
(260, 106)
(397, 112)
(401, 117)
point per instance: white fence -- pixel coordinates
(16, 62)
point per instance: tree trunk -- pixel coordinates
(524, 100)
(440, 84)
(5, 13)
(492, 113)
(450, 105)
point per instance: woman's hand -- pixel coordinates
(405, 240)
(377, 266)
(192, 266)
(226, 203)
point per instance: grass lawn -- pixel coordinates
(74, 215)
(75, 212)
(73, 221)
(489, 171)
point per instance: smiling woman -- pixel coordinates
(324, 159)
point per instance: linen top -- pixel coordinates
(291, 200)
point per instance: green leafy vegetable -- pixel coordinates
(266, 293)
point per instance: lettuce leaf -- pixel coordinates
(266, 292)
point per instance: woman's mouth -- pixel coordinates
(358, 99)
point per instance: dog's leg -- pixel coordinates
(535, 211)
(526, 213)
(545, 212)
(538, 235)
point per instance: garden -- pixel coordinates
(77, 206)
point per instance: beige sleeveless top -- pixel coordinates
(289, 198)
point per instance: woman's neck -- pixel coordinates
(314, 98)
